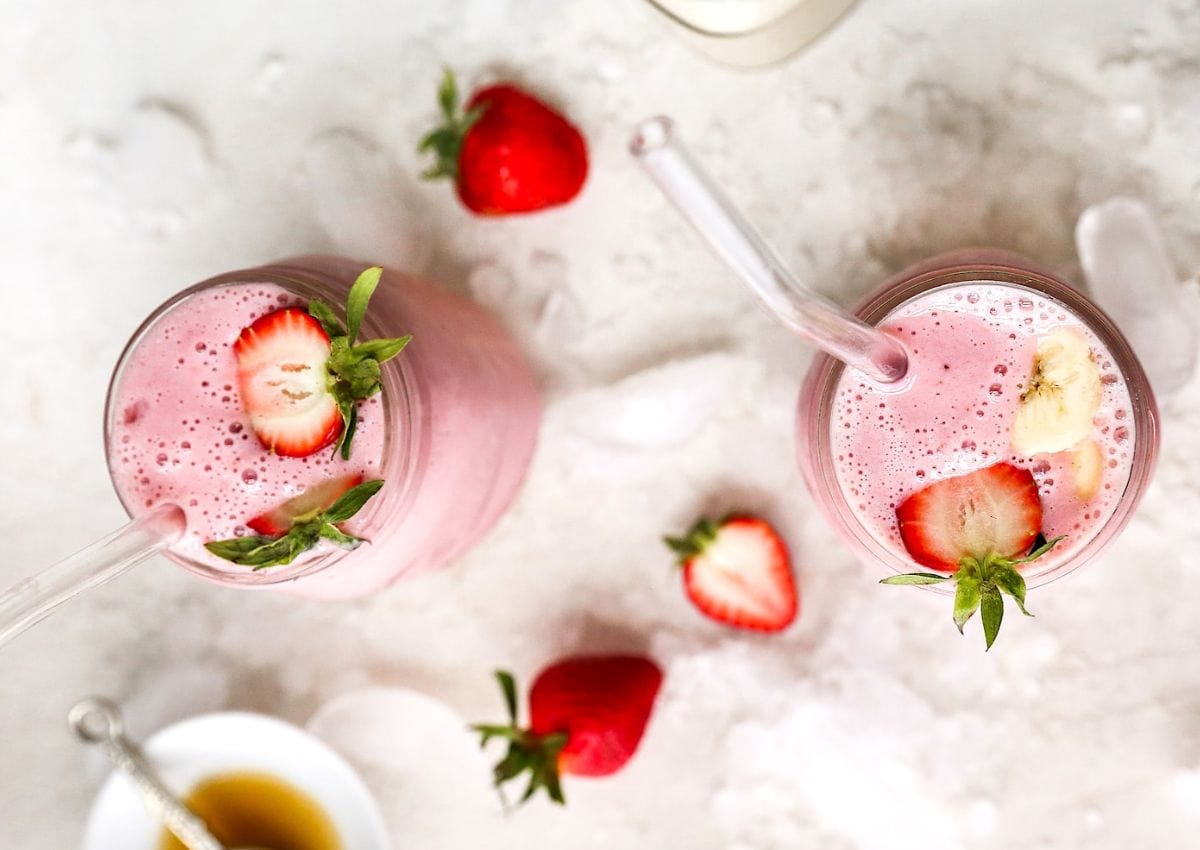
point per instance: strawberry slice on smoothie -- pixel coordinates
(281, 361)
(299, 524)
(979, 528)
(318, 497)
(301, 374)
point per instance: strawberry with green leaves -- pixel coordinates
(301, 374)
(587, 717)
(506, 151)
(979, 528)
(299, 524)
(737, 572)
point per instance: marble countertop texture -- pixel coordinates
(146, 146)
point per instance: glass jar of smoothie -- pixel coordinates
(450, 434)
(974, 323)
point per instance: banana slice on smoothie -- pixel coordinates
(1062, 397)
(1087, 469)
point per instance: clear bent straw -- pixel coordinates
(28, 601)
(657, 147)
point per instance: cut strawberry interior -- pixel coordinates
(743, 577)
(318, 497)
(283, 381)
(991, 512)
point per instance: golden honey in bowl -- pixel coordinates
(258, 810)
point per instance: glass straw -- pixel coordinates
(28, 601)
(657, 146)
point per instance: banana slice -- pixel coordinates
(1087, 467)
(1062, 397)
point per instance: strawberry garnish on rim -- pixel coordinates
(318, 497)
(587, 717)
(301, 375)
(738, 572)
(506, 151)
(300, 523)
(979, 527)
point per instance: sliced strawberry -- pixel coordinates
(738, 572)
(993, 512)
(587, 717)
(281, 361)
(318, 497)
(979, 528)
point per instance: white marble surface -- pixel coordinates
(144, 146)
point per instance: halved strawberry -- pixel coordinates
(318, 497)
(587, 717)
(978, 527)
(283, 380)
(993, 511)
(738, 572)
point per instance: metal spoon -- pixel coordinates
(98, 721)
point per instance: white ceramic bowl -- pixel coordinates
(193, 750)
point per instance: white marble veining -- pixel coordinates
(145, 146)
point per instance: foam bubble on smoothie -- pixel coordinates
(179, 433)
(971, 353)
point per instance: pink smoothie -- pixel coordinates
(451, 434)
(972, 350)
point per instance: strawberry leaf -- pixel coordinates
(351, 502)
(324, 314)
(359, 297)
(445, 141)
(340, 538)
(353, 371)
(991, 612)
(526, 752)
(915, 578)
(1042, 549)
(967, 597)
(447, 95)
(238, 547)
(508, 685)
(382, 350)
(698, 538)
(1009, 581)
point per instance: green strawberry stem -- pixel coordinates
(980, 585)
(262, 551)
(446, 140)
(698, 538)
(537, 754)
(353, 369)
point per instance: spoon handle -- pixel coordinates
(97, 721)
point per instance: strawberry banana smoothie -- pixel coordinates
(293, 419)
(1014, 449)
(969, 401)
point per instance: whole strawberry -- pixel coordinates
(979, 528)
(587, 716)
(507, 152)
